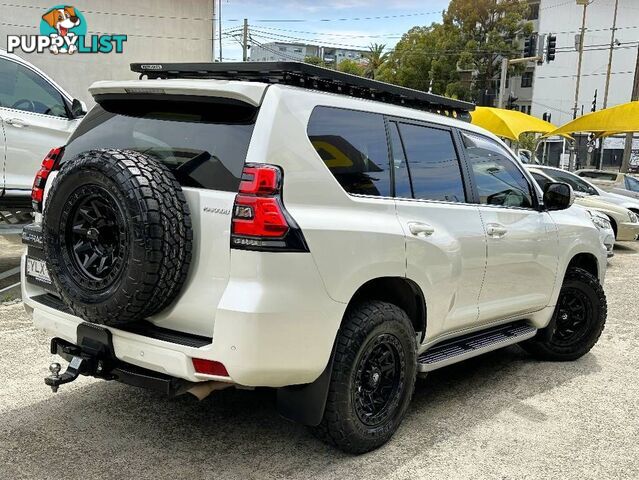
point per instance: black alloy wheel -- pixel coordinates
(378, 379)
(95, 237)
(573, 317)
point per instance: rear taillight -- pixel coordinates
(260, 221)
(49, 164)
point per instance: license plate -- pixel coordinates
(37, 269)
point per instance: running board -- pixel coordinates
(473, 344)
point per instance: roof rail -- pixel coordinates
(312, 77)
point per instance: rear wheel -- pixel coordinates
(372, 380)
(578, 320)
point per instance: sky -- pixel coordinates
(343, 23)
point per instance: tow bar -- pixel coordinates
(94, 356)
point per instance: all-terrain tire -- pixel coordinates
(367, 329)
(572, 334)
(129, 211)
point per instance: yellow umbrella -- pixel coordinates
(509, 123)
(620, 119)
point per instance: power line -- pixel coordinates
(586, 75)
(351, 19)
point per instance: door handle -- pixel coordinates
(16, 122)
(496, 230)
(421, 229)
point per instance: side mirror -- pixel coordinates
(558, 196)
(78, 108)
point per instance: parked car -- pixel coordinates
(625, 222)
(601, 220)
(581, 185)
(198, 233)
(615, 182)
(36, 114)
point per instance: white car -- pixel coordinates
(36, 115)
(199, 232)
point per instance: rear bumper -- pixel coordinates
(274, 326)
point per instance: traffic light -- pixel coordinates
(594, 103)
(546, 116)
(551, 48)
(530, 46)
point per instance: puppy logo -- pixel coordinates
(62, 20)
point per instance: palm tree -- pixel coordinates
(376, 58)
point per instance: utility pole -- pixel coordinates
(502, 82)
(605, 99)
(213, 32)
(245, 41)
(219, 25)
(612, 47)
(635, 96)
(585, 3)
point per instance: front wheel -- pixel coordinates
(578, 320)
(373, 378)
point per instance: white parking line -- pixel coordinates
(9, 273)
(9, 287)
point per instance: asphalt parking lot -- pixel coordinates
(501, 416)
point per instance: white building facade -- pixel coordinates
(157, 31)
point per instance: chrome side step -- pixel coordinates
(473, 344)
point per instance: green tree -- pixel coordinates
(460, 57)
(376, 57)
(351, 66)
(487, 30)
(315, 60)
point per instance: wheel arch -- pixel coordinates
(585, 261)
(400, 291)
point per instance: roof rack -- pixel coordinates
(312, 77)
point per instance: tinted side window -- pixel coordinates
(632, 184)
(433, 163)
(577, 184)
(22, 89)
(540, 179)
(498, 179)
(599, 175)
(353, 146)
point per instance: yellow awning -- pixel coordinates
(620, 119)
(509, 123)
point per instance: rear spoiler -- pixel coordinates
(251, 93)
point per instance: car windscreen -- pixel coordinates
(202, 141)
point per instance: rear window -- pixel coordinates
(203, 141)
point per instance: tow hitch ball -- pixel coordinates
(77, 366)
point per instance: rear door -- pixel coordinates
(36, 119)
(204, 142)
(445, 240)
(522, 240)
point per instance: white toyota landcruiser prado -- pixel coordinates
(282, 225)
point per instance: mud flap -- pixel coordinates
(305, 404)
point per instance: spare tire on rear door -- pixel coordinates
(118, 236)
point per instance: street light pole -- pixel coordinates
(608, 75)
